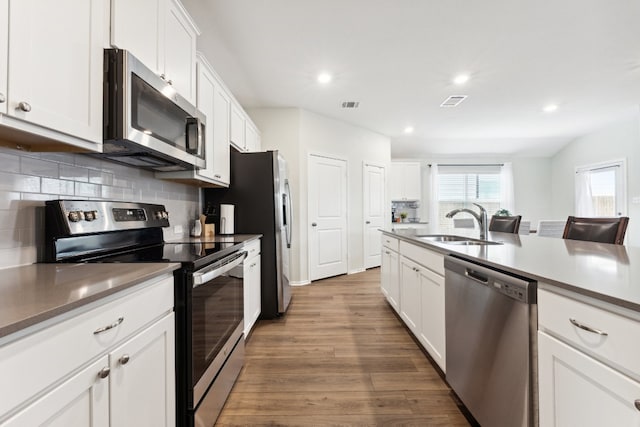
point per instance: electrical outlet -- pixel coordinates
(177, 229)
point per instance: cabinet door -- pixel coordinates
(81, 401)
(389, 278)
(410, 294)
(395, 182)
(221, 124)
(180, 51)
(4, 53)
(411, 181)
(251, 137)
(206, 85)
(142, 378)
(252, 293)
(55, 65)
(576, 390)
(432, 323)
(237, 128)
(127, 18)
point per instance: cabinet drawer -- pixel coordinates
(36, 362)
(619, 347)
(430, 259)
(252, 248)
(390, 242)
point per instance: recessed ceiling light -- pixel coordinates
(550, 108)
(461, 79)
(324, 78)
(408, 129)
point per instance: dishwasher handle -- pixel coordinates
(474, 275)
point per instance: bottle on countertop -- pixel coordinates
(196, 230)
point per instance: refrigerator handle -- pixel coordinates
(286, 214)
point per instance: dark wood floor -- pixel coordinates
(338, 357)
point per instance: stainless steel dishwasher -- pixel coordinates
(491, 322)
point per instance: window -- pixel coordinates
(600, 190)
(460, 186)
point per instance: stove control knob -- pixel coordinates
(157, 215)
(76, 216)
(90, 215)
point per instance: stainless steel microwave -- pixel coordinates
(147, 124)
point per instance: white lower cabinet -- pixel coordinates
(390, 277)
(82, 401)
(111, 365)
(252, 284)
(577, 390)
(588, 362)
(422, 297)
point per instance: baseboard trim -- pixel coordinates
(357, 270)
(300, 283)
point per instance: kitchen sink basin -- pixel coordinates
(447, 238)
(451, 239)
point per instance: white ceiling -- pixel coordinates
(398, 59)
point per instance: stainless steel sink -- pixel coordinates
(443, 238)
(451, 239)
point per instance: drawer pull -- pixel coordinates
(637, 403)
(111, 326)
(587, 328)
(104, 372)
(124, 359)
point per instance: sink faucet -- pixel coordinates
(481, 218)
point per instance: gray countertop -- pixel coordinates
(33, 293)
(604, 271)
(218, 238)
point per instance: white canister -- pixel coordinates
(226, 219)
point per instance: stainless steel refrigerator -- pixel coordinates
(259, 190)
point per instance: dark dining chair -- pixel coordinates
(505, 224)
(603, 230)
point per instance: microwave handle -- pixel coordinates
(203, 276)
(194, 136)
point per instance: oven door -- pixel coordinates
(217, 308)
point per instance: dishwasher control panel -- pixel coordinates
(515, 292)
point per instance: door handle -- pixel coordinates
(313, 224)
(581, 325)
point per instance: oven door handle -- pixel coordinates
(203, 276)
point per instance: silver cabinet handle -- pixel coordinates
(368, 222)
(163, 77)
(2, 98)
(124, 359)
(580, 325)
(387, 252)
(637, 403)
(104, 372)
(170, 82)
(313, 224)
(111, 326)
(24, 106)
(217, 176)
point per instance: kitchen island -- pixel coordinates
(585, 360)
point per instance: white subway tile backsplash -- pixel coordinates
(18, 182)
(58, 186)
(28, 179)
(86, 189)
(9, 199)
(42, 168)
(9, 162)
(74, 173)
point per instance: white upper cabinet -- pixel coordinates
(238, 127)
(252, 137)
(51, 72)
(162, 35)
(405, 181)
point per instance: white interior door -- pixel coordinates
(373, 209)
(327, 217)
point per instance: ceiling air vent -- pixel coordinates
(350, 104)
(453, 101)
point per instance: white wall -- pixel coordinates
(620, 140)
(324, 136)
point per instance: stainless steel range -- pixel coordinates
(208, 290)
